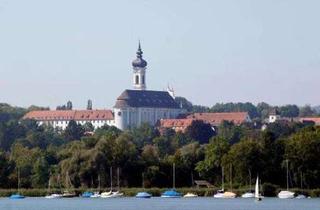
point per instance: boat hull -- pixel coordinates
(286, 195)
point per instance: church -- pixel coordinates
(137, 106)
(132, 107)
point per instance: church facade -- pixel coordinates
(137, 106)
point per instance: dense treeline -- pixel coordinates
(259, 111)
(40, 154)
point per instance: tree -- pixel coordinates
(245, 157)
(302, 149)
(289, 111)
(264, 109)
(89, 105)
(306, 111)
(88, 127)
(73, 131)
(200, 131)
(210, 167)
(69, 105)
(40, 173)
(184, 103)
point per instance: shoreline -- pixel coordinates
(131, 192)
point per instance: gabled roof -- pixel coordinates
(176, 124)
(217, 118)
(146, 98)
(48, 115)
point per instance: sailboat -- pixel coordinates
(52, 195)
(256, 192)
(17, 195)
(68, 185)
(143, 194)
(172, 193)
(189, 194)
(112, 194)
(107, 194)
(286, 194)
(301, 196)
(97, 194)
(221, 193)
(249, 194)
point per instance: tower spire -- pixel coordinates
(139, 70)
(139, 52)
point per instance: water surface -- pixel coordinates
(158, 204)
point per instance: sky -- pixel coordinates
(209, 51)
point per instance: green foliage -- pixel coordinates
(289, 111)
(73, 131)
(40, 154)
(200, 131)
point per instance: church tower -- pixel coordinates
(139, 71)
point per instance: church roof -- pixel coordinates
(146, 98)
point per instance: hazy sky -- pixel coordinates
(209, 51)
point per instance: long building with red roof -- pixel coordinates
(61, 118)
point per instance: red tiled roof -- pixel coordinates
(48, 115)
(316, 120)
(217, 118)
(176, 124)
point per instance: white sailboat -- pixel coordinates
(286, 194)
(112, 194)
(221, 193)
(97, 193)
(250, 193)
(256, 191)
(52, 195)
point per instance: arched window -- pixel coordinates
(137, 79)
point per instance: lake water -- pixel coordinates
(158, 204)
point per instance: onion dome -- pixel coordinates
(139, 61)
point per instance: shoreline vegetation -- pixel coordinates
(271, 191)
(37, 159)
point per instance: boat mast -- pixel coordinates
(222, 178)
(99, 180)
(118, 179)
(230, 176)
(287, 161)
(250, 179)
(18, 180)
(142, 180)
(301, 178)
(111, 178)
(174, 176)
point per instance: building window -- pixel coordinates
(137, 79)
(119, 113)
(142, 79)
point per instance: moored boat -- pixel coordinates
(54, 195)
(248, 195)
(95, 195)
(143, 195)
(16, 196)
(87, 194)
(190, 195)
(286, 194)
(171, 194)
